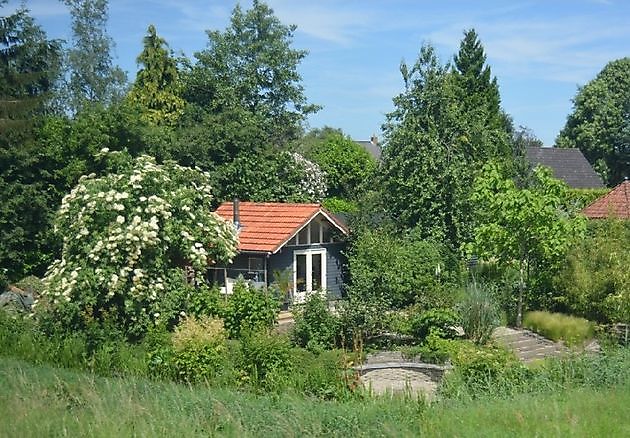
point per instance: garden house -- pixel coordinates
(296, 245)
(615, 203)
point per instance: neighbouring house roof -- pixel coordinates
(615, 203)
(568, 165)
(372, 147)
(268, 226)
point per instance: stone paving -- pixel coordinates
(528, 346)
(388, 372)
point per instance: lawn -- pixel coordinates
(45, 401)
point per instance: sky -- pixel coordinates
(540, 51)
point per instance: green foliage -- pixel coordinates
(436, 349)
(206, 301)
(93, 80)
(445, 125)
(29, 69)
(125, 238)
(438, 322)
(476, 364)
(266, 359)
(156, 89)
(600, 122)
(251, 66)
(580, 198)
(271, 176)
(348, 167)
(324, 375)
(595, 280)
(478, 313)
(249, 309)
(316, 328)
(527, 228)
(401, 270)
(338, 205)
(199, 348)
(559, 327)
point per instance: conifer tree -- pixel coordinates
(156, 89)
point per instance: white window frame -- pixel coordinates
(309, 268)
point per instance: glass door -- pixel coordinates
(309, 272)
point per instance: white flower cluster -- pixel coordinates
(314, 180)
(122, 231)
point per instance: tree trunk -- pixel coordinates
(519, 306)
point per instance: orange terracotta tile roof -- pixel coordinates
(615, 203)
(267, 226)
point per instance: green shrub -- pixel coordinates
(325, 375)
(32, 285)
(198, 346)
(206, 301)
(404, 270)
(435, 349)
(440, 322)
(559, 327)
(249, 309)
(478, 313)
(315, 327)
(595, 280)
(266, 359)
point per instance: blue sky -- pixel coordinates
(540, 51)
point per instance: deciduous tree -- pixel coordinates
(600, 122)
(526, 228)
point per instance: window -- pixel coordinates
(315, 227)
(302, 237)
(326, 233)
(255, 264)
(309, 270)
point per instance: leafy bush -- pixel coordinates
(325, 375)
(339, 205)
(315, 327)
(199, 346)
(595, 280)
(266, 359)
(206, 301)
(436, 349)
(125, 236)
(249, 309)
(440, 322)
(559, 327)
(478, 313)
(401, 270)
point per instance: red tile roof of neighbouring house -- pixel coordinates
(267, 226)
(615, 203)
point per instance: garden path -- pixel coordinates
(527, 345)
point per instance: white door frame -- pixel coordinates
(299, 297)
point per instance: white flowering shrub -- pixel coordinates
(126, 237)
(313, 183)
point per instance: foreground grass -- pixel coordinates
(45, 401)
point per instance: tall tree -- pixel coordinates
(157, 88)
(251, 66)
(425, 174)
(93, 79)
(600, 122)
(29, 68)
(525, 228)
(485, 131)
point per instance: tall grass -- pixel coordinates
(42, 401)
(559, 327)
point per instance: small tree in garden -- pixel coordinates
(527, 227)
(126, 237)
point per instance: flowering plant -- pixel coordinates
(126, 237)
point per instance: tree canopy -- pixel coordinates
(251, 65)
(528, 228)
(600, 122)
(93, 79)
(157, 88)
